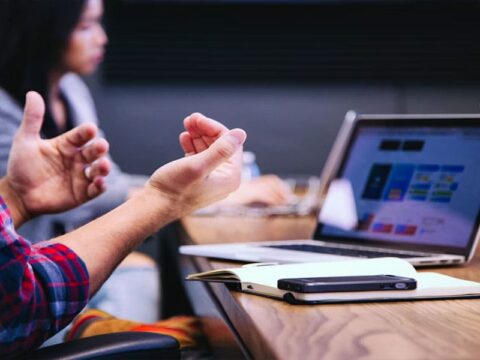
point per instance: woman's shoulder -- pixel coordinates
(71, 83)
(79, 97)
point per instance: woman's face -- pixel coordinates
(86, 45)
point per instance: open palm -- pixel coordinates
(49, 175)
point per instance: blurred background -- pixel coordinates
(285, 71)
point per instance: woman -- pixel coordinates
(46, 45)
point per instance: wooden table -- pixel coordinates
(271, 329)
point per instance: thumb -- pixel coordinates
(32, 115)
(222, 149)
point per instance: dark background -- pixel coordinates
(284, 71)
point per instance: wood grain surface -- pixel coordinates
(440, 329)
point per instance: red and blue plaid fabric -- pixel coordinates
(42, 288)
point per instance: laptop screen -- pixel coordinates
(416, 184)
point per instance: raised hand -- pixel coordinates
(200, 133)
(266, 190)
(58, 174)
(211, 170)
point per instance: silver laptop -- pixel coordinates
(415, 182)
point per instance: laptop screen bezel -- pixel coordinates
(402, 121)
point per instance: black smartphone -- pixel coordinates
(347, 283)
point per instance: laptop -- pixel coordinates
(415, 184)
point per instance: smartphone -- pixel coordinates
(347, 283)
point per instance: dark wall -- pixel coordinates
(291, 124)
(290, 128)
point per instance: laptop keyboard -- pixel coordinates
(342, 252)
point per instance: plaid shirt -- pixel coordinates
(42, 288)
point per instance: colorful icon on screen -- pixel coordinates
(382, 228)
(405, 229)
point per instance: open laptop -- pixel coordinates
(415, 180)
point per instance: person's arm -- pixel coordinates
(208, 174)
(175, 189)
(42, 289)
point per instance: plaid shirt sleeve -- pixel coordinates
(42, 288)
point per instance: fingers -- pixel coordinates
(266, 190)
(95, 150)
(223, 149)
(274, 188)
(276, 196)
(32, 116)
(203, 131)
(199, 125)
(96, 174)
(100, 168)
(72, 140)
(96, 187)
(186, 143)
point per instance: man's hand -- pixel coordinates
(209, 172)
(201, 132)
(266, 190)
(45, 176)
